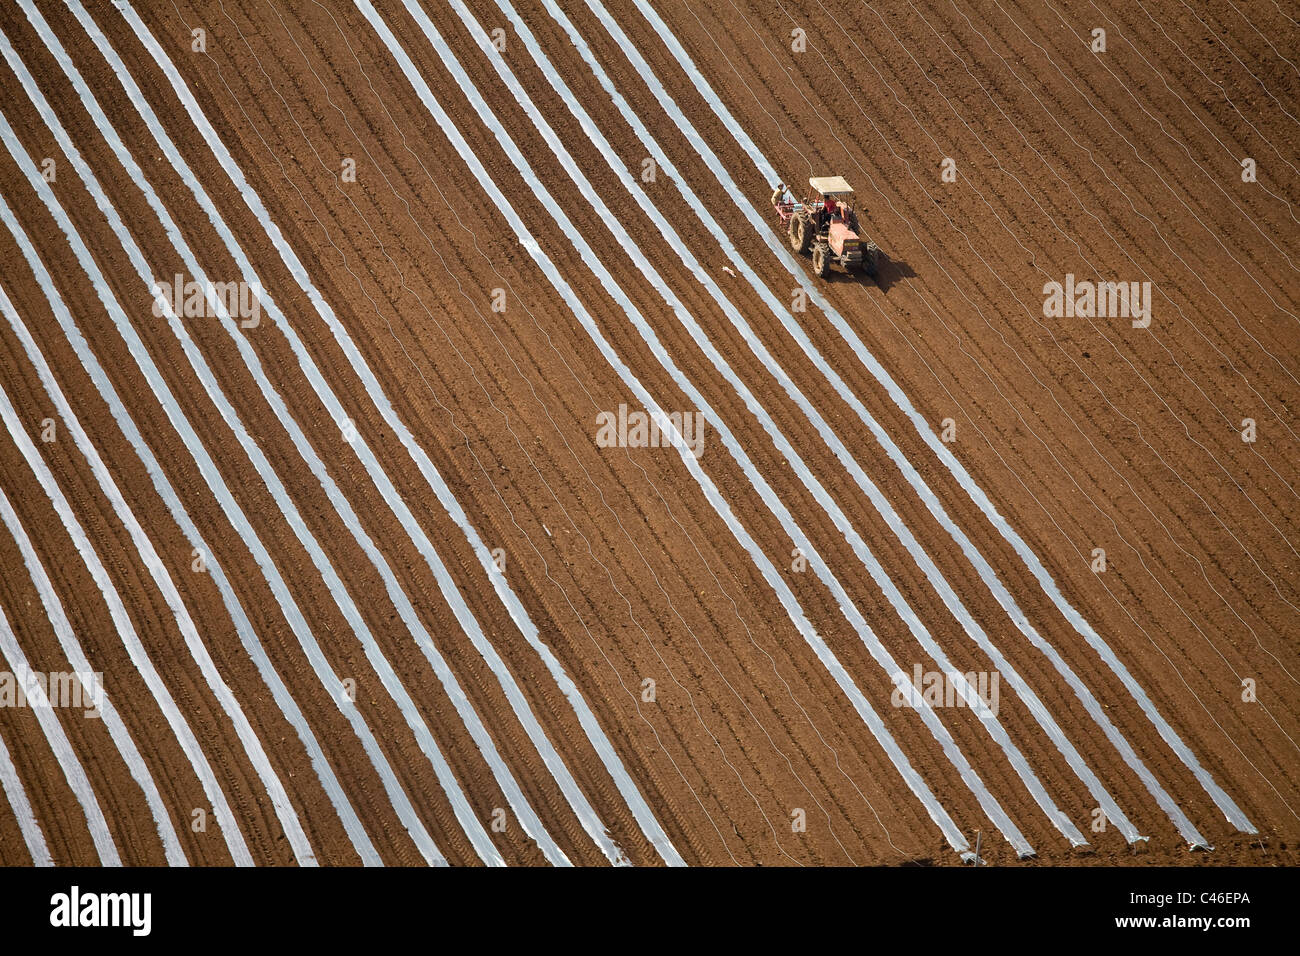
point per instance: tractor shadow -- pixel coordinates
(890, 271)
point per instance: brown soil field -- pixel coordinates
(674, 692)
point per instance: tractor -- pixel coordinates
(827, 226)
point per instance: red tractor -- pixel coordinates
(827, 226)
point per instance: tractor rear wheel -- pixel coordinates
(821, 259)
(800, 234)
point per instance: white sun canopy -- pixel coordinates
(830, 185)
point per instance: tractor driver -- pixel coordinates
(825, 213)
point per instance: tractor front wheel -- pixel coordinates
(800, 233)
(821, 259)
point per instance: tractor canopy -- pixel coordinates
(834, 186)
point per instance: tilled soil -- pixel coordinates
(1085, 433)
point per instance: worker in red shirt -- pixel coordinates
(829, 208)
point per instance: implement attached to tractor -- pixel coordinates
(827, 226)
